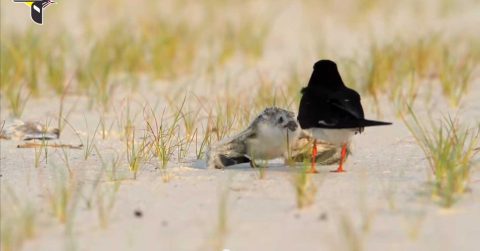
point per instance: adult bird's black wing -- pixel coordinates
(323, 111)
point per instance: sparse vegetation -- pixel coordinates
(63, 195)
(38, 151)
(89, 143)
(261, 166)
(352, 237)
(135, 152)
(450, 149)
(162, 139)
(219, 236)
(414, 222)
(19, 219)
(305, 188)
(17, 100)
(105, 201)
(199, 71)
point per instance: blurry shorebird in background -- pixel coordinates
(20, 130)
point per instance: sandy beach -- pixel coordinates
(113, 194)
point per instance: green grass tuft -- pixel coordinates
(450, 150)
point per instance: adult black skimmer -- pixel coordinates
(330, 111)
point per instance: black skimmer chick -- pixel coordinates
(271, 135)
(330, 111)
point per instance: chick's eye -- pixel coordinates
(280, 120)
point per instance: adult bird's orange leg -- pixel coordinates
(314, 157)
(342, 159)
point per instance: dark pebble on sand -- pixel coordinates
(323, 217)
(138, 213)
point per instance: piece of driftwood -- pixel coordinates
(34, 145)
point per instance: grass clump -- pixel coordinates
(105, 198)
(450, 150)
(261, 166)
(201, 146)
(19, 220)
(62, 196)
(305, 189)
(162, 138)
(454, 75)
(17, 100)
(135, 153)
(353, 238)
(402, 69)
(89, 143)
(217, 240)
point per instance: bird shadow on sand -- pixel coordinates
(273, 166)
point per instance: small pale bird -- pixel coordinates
(29, 130)
(330, 111)
(271, 135)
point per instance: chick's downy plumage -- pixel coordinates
(269, 136)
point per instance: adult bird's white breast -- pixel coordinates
(333, 136)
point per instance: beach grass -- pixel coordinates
(305, 188)
(63, 195)
(218, 239)
(19, 220)
(449, 147)
(105, 201)
(208, 67)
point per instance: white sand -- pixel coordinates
(377, 203)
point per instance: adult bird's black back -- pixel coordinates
(327, 103)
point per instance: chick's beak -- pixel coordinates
(292, 126)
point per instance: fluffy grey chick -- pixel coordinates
(269, 136)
